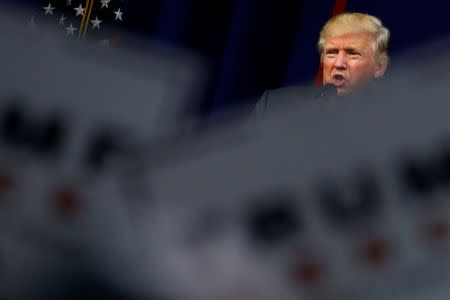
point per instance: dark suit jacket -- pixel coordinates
(272, 100)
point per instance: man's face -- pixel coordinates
(349, 62)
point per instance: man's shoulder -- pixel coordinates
(281, 96)
(292, 92)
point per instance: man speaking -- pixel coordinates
(353, 52)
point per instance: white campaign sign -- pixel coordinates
(368, 178)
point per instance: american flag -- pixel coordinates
(84, 19)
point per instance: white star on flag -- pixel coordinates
(62, 19)
(69, 3)
(49, 9)
(70, 30)
(96, 23)
(105, 3)
(79, 10)
(118, 14)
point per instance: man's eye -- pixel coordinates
(354, 53)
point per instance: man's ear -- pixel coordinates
(380, 67)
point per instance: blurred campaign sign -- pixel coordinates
(342, 199)
(81, 94)
(67, 108)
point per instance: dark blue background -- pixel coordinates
(253, 45)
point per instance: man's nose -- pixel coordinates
(340, 62)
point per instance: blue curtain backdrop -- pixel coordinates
(253, 45)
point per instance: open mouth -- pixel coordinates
(338, 80)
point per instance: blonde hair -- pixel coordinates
(351, 23)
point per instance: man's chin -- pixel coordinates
(343, 90)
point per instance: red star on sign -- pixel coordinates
(434, 233)
(66, 201)
(6, 182)
(375, 252)
(438, 231)
(308, 272)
